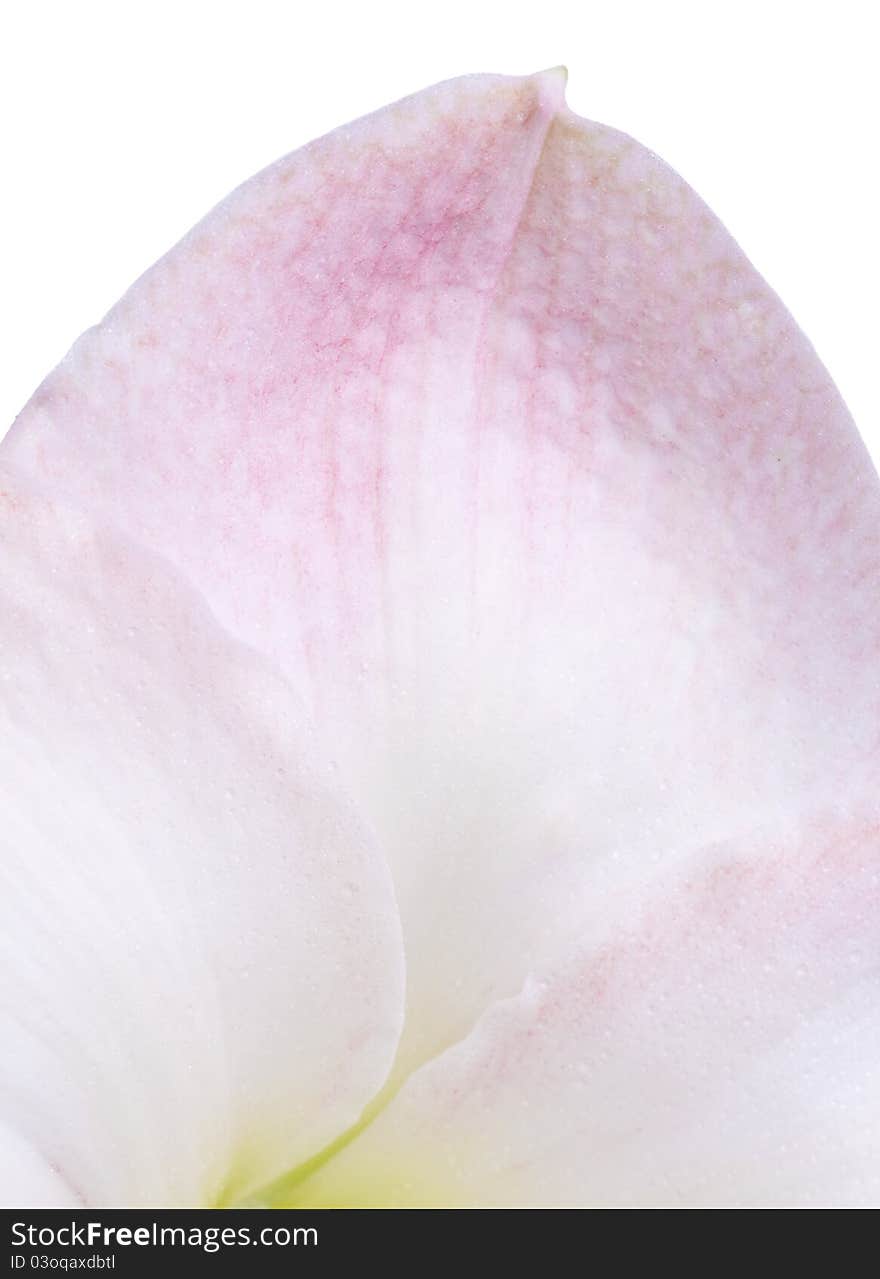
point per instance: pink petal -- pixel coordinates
(722, 1047)
(473, 419)
(202, 978)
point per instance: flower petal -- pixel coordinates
(722, 1047)
(475, 420)
(202, 966)
(27, 1180)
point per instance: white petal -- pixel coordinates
(27, 1180)
(475, 420)
(202, 974)
(721, 1047)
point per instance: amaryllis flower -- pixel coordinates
(440, 702)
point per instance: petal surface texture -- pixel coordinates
(720, 1047)
(475, 425)
(202, 972)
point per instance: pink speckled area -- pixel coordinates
(477, 426)
(696, 1058)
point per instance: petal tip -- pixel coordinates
(551, 84)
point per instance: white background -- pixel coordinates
(123, 123)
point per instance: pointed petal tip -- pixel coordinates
(552, 84)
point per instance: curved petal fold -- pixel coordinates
(473, 420)
(721, 1047)
(202, 974)
(27, 1179)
